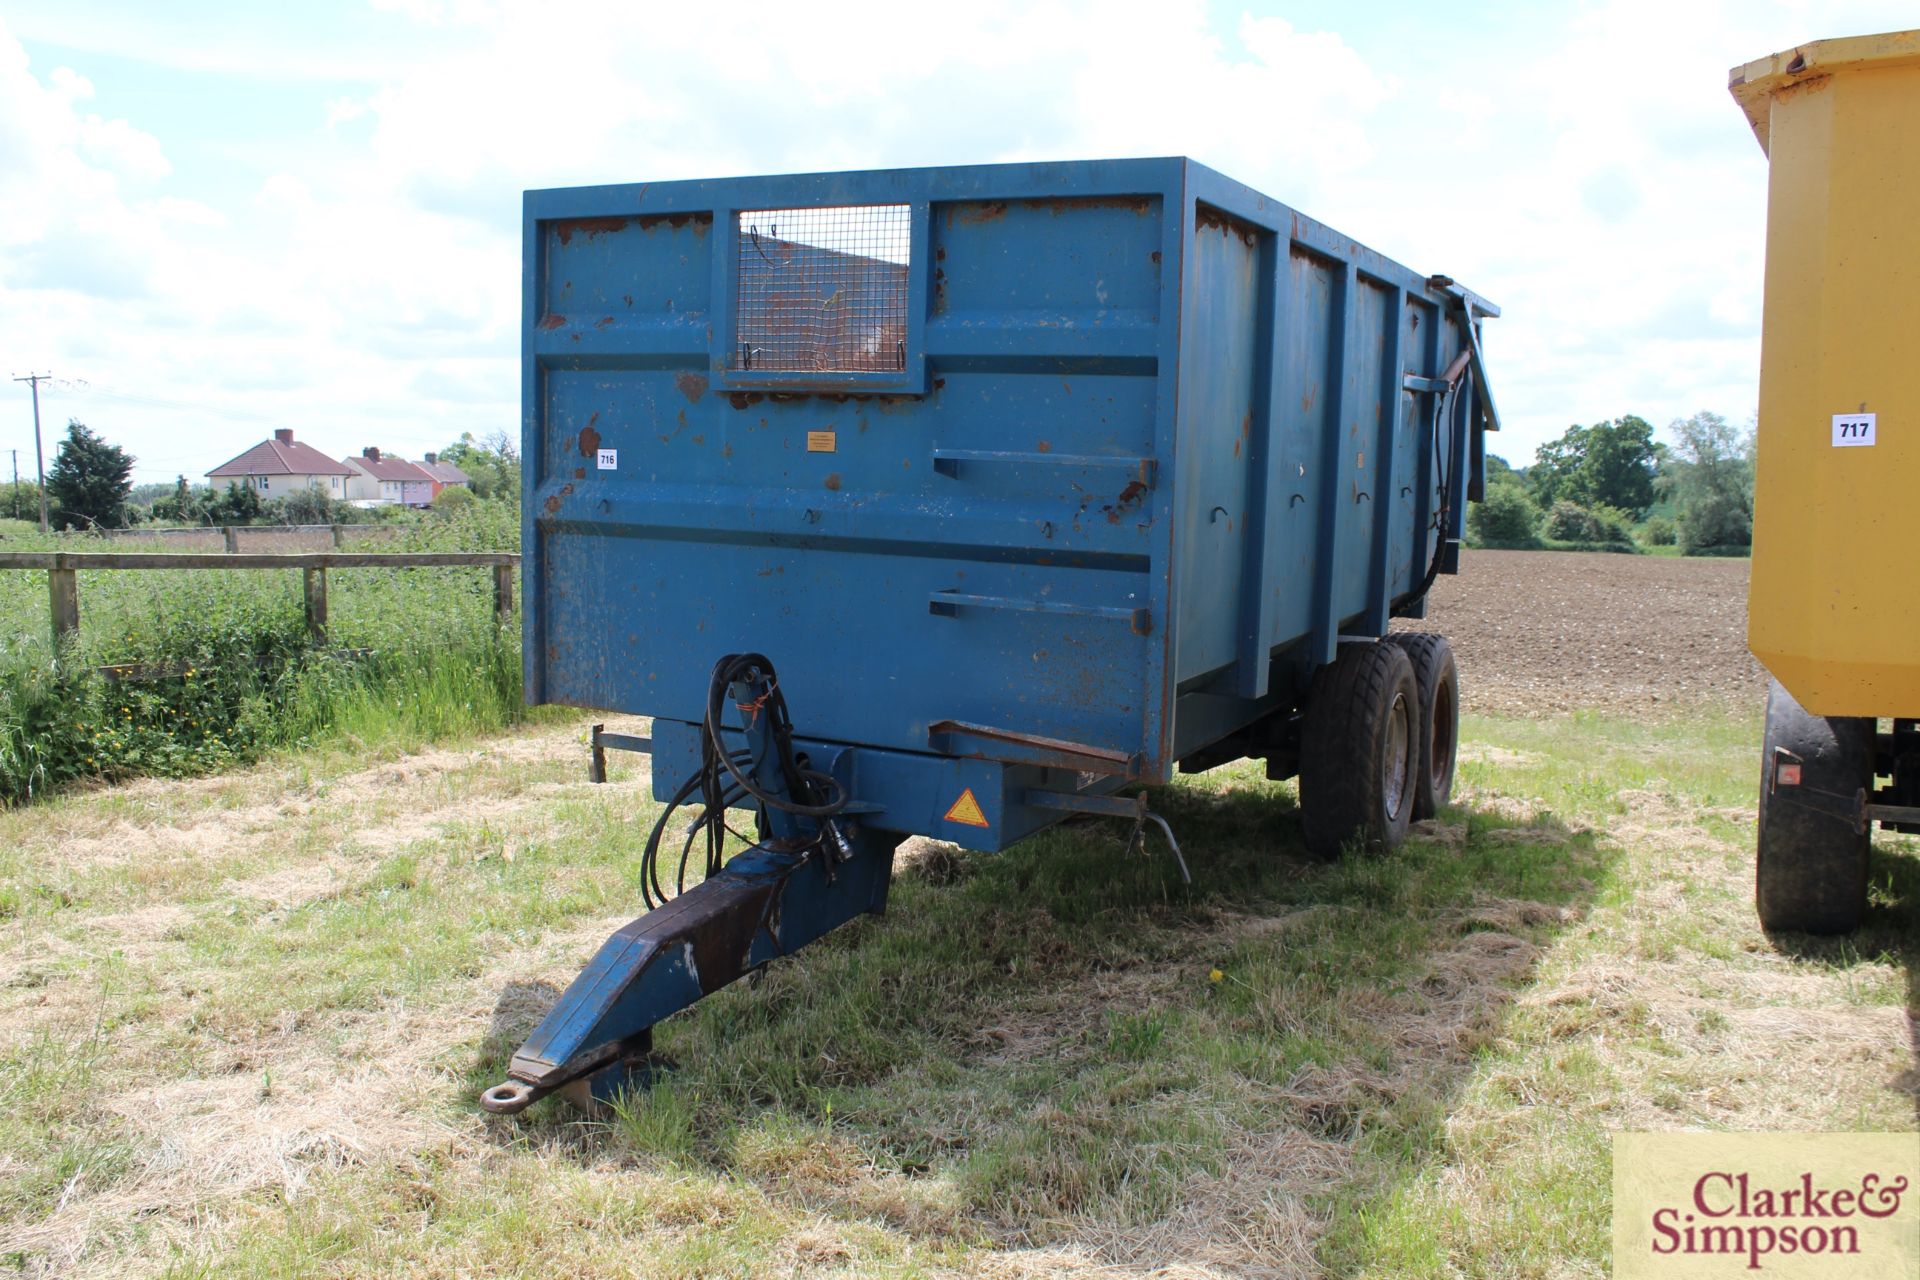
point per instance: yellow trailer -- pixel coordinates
(1833, 610)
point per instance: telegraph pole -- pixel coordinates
(39, 454)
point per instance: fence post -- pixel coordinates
(63, 588)
(313, 587)
(502, 594)
(597, 767)
(339, 535)
(233, 539)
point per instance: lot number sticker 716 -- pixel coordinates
(1851, 429)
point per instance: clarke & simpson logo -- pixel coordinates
(1725, 1215)
(1777, 1204)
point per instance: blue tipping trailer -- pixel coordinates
(1032, 480)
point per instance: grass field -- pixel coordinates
(429, 659)
(246, 1018)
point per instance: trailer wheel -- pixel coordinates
(1811, 865)
(1438, 679)
(1359, 750)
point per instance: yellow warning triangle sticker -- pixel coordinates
(966, 811)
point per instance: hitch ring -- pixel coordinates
(510, 1098)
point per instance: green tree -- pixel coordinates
(1710, 479)
(145, 495)
(492, 464)
(89, 480)
(1555, 464)
(1618, 470)
(1609, 464)
(20, 501)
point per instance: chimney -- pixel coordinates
(283, 434)
(433, 459)
(370, 453)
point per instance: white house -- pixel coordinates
(274, 468)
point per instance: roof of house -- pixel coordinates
(387, 467)
(444, 472)
(280, 458)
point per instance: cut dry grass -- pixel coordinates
(245, 1019)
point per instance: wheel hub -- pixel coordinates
(1395, 775)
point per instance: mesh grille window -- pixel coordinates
(823, 290)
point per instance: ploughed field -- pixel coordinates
(1543, 631)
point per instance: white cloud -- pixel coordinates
(1589, 173)
(67, 83)
(123, 149)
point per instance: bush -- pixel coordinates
(1571, 522)
(453, 500)
(1715, 520)
(1567, 522)
(1590, 528)
(1611, 524)
(1659, 532)
(240, 504)
(1506, 517)
(310, 507)
(1591, 525)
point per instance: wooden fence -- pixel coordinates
(231, 535)
(63, 568)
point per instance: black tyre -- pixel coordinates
(1811, 868)
(1438, 680)
(1358, 750)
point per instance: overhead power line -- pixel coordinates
(85, 387)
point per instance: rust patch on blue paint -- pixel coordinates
(1208, 218)
(700, 222)
(1139, 205)
(975, 212)
(567, 228)
(1129, 499)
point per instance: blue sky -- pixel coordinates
(216, 219)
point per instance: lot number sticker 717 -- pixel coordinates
(1851, 429)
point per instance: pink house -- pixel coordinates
(386, 478)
